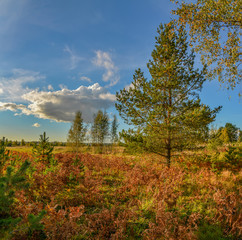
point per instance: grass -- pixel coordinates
(119, 196)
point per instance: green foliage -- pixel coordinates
(208, 21)
(224, 135)
(230, 159)
(12, 181)
(133, 140)
(77, 132)
(35, 227)
(100, 127)
(232, 132)
(208, 231)
(233, 157)
(166, 110)
(43, 150)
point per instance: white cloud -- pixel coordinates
(50, 87)
(58, 105)
(74, 58)
(36, 125)
(11, 106)
(103, 59)
(87, 79)
(13, 87)
(61, 105)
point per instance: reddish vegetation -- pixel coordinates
(109, 197)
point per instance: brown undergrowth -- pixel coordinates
(97, 197)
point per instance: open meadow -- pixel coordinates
(119, 196)
(136, 142)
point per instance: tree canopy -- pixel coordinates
(100, 127)
(166, 110)
(215, 28)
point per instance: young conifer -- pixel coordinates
(43, 150)
(166, 110)
(77, 132)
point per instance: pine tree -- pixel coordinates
(12, 181)
(232, 132)
(224, 136)
(43, 150)
(77, 132)
(167, 111)
(100, 127)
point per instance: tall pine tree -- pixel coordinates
(100, 127)
(166, 110)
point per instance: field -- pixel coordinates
(91, 196)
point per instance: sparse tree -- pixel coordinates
(77, 132)
(100, 127)
(166, 110)
(215, 27)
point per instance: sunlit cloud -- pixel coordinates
(14, 86)
(103, 59)
(86, 79)
(11, 106)
(36, 125)
(62, 105)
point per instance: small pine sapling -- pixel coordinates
(36, 228)
(43, 150)
(9, 183)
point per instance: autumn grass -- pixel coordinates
(98, 196)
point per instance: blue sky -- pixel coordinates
(57, 57)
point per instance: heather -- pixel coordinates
(100, 196)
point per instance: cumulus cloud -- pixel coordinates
(14, 86)
(74, 58)
(58, 105)
(11, 106)
(61, 105)
(103, 59)
(36, 125)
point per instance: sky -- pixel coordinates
(58, 57)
